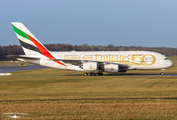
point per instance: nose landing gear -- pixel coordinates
(161, 73)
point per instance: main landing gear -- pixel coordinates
(161, 73)
(93, 74)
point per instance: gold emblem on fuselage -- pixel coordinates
(90, 67)
(112, 69)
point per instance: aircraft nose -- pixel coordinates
(170, 63)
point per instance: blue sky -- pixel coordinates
(147, 23)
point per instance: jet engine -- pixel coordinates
(112, 68)
(90, 66)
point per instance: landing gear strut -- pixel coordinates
(93, 74)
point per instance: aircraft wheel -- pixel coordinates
(86, 74)
(92, 74)
(161, 73)
(101, 74)
(89, 74)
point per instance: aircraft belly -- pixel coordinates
(144, 67)
(73, 67)
(151, 67)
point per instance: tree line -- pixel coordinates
(17, 50)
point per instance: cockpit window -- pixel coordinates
(166, 59)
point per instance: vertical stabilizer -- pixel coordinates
(30, 44)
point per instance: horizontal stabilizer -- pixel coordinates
(22, 56)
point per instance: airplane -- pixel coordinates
(15, 115)
(91, 62)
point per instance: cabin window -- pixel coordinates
(166, 59)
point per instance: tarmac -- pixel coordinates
(8, 68)
(93, 99)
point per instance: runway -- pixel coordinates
(130, 74)
(146, 75)
(15, 67)
(97, 99)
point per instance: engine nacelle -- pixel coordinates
(112, 68)
(90, 66)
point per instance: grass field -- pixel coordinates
(27, 88)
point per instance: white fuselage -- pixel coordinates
(140, 60)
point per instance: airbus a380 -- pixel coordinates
(92, 62)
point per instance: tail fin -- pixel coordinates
(30, 44)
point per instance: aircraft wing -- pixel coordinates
(74, 62)
(79, 62)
